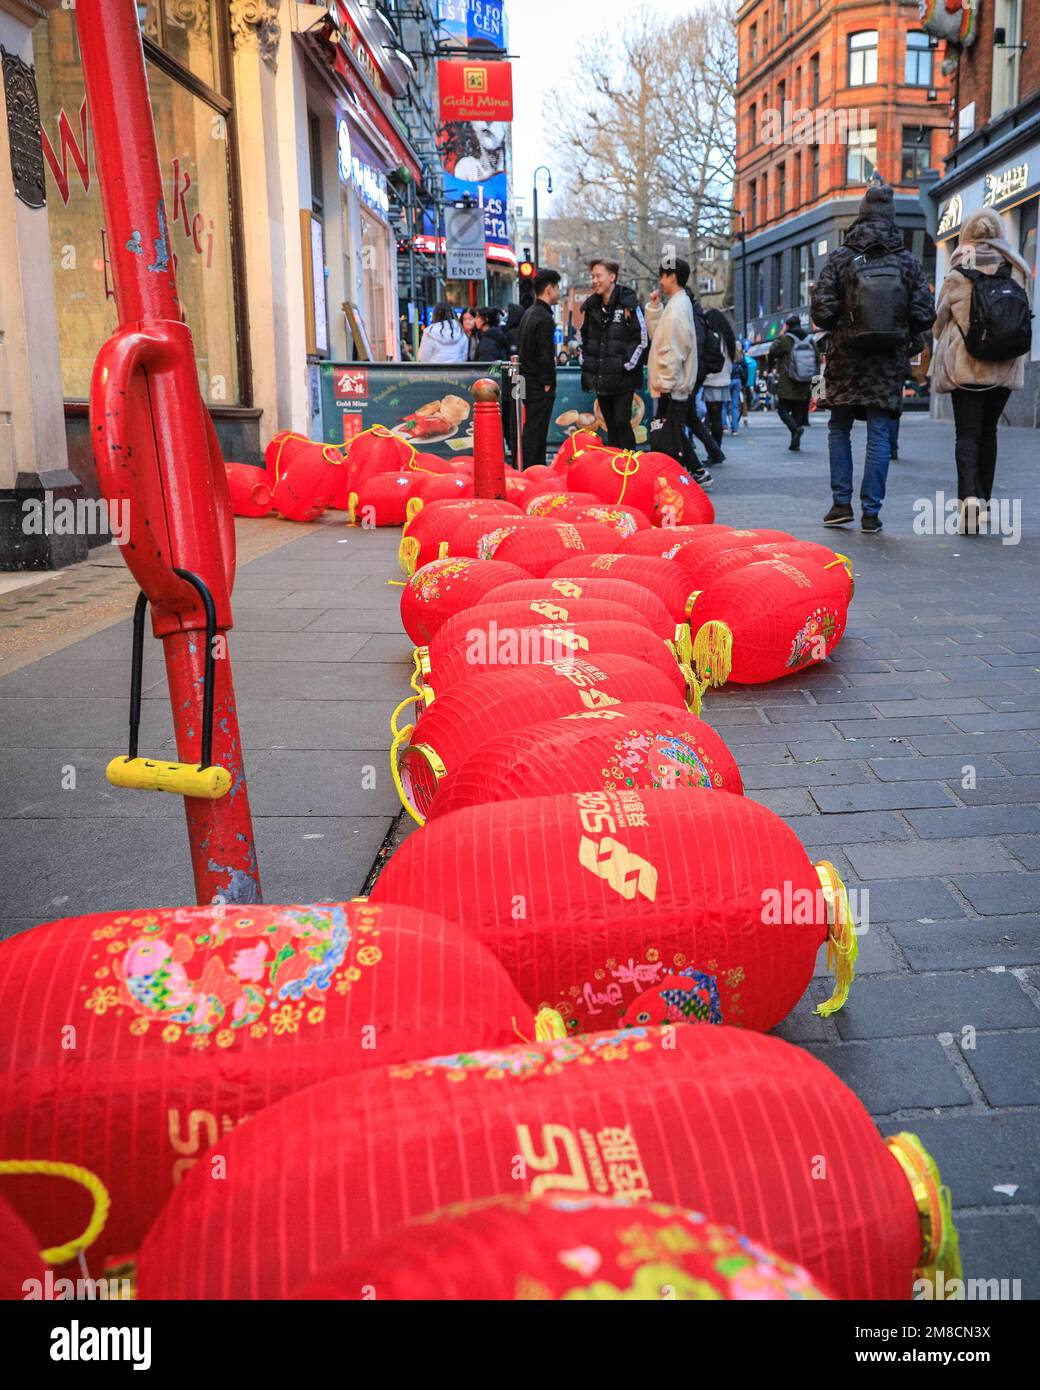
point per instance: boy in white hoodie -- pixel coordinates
(672, 366)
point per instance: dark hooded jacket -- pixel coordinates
(863, 379)
(613, 343)
(493, 346)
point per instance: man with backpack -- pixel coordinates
(711, 358)
(873, 297)
(797, 362)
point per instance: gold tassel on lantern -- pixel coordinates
(842, 941)
(713, 654)
(940, 1244)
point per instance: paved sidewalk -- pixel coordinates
(912, 760)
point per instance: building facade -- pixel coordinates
(831, 95)
(995, 158)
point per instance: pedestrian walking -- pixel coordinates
(672, 366)
(511, 327)
(613, 345)
(717, 384)
(983, 330)
(751, 385)
(469, 327)
(492, 343)
(737, 380)
(537, 352)
(797, 363)
(872, 296)
(710, 357)
(444, 339)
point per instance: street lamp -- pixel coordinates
(541, 168)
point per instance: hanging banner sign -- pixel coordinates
(475, 91)
(464, 238)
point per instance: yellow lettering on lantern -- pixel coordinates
(574, 1180)
(627, 873)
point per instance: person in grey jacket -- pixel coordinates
(444, 340)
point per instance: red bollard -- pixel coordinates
(489, 449)
(156, 450)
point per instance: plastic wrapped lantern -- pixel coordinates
(768, 620)
(629, 747)
(428, 533)
(661, 577)
(521, 489)
(642, 604)
(620, 478)
(444, 587)
(486, 704)
(430, 463)
(305, 476)
(438, 487)
(135, 1040)
(248, 486)
(569, 449)
(637, 906)
(749, 1128)
(381, 499)
(376, 450)
(496, 644)
(564, 1248)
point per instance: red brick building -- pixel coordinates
(831, 94)
(994, 160)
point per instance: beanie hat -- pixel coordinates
(878, 201)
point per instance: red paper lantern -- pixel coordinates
(381, 500)
(540, 473)
(728, 560)
(622, 521)
(768, 620)
(666, 540)
(432, 528)
(624, 748)
(661, 577)
(20, 1262)
(447, 586)
(680, 501)
(377, 450)
(306, 476)
(692, 554)
(621, 892)
(548, 502)
(641, 604)
(497, 644)
(489, 703)
(438, 487)
(571, 446)
(516, 614)
(541, 549)
(622, 478)
(563, 1248)
(523, 489)
(430, 463)
(250, 493)
(134, 1041)
(756, 1131)
(478, 537)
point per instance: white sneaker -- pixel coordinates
(970, 515)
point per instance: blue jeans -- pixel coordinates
(731, 408)
(875, 467)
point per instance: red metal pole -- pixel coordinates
(154, 443)
(489, 452)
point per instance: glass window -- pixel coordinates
(861, 154)
(781, 187)
(377, 278)
(753, 125)
(783, 17)
(778, 280)
(796, 198)
(193, 152)
(753, 198)
(1006, 59)
(804, 265)
(760, 289)
(814, 78)
(863, 55)
(917, 153)
(765, 197)
(815, 171)
(186, 29)
(919, 60)
(754, 43)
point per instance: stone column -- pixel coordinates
(33, 457)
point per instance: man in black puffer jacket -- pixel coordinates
(492, 344)
(862, 380)
(613, 347)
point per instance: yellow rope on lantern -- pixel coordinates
(840, 559)
(940, 1244)
(842, 941)
(395, 771)
(408, 554)
(632, 457)
(61, 1254)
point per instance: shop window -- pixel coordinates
(377, 275)
(760, 289)
(863, 58)
(191, 127)
(919, 60)
(804, 272)
(778, 280)
(917, 153)
(861, 154)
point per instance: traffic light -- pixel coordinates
(527, 272)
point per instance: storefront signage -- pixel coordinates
(475, 91)
(23, 130)
(951, 216)
(365, 58)
(475, 24)
(370, 183)
(1006, 184)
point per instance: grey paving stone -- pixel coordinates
(383, 620)
(784, 801)
(974, 820)
(944, 769)
(60, 722)
(1025, 848)
(991, 723)
(852, 711)
(931, 1004)
(82, 680)
(901, 728)
(977, 1153)
(362, 595)
(302, 869)
(796, 775)
(910, 900)
(802, 1024)
(270, 619)
(860, 749)
(990, 792)
(70, 783)
(1007, 1066)
(301, 647)
(970, 942)
(746, 754)
(893, 796)
(321, 680)
(328, 783)
(938, 707)
(1001, 741)
(1004, 658)
(723, 717)
(777, 733)
(1001, 1247)
(877, 954)
(998, 895)
(317, 724)
(895, 1074)
(1024, 763)
(917, 860)
(867, 826)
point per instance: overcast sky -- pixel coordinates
(548, 38)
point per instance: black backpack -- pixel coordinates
(877, 312)
(1000, 324)
(711, 356)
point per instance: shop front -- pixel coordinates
(187, 48)
(1005, 177)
